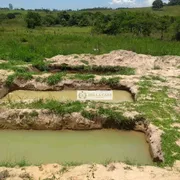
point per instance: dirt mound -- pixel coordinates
(142, 63)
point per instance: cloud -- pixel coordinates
(132, 3)
(121, 1)
(127, 3)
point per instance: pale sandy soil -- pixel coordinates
(144, 64)
(114, 171)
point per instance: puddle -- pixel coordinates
(118, 95)
(74, 146)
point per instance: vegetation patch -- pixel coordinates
(40, 65)
(89, 115)
(158, 108)
(55, 78)
(84, 77)
(21, 76)
(54, 106)
(115, 119)
(106, 70)
(8, 163)
(110, 81)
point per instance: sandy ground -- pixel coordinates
(115, 171)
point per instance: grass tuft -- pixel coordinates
(55, 78)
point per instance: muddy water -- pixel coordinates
(118, 95)
(74, 146)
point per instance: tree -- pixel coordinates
(74, 20)
(162, 24)
(174, 2)
(10, 7)
(157, 4)
(63, 18)
(177, 29)
(33, 19)
(49, 20)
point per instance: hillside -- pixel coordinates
(167, 10)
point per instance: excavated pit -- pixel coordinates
(65, 95)
(42, 147)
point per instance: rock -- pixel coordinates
(4, 175)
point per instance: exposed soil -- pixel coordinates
(144, 64)
(163, 71)
(114, 171)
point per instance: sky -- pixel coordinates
(74, 4)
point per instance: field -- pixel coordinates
(151, 82)
(30, 45)
(20, 43)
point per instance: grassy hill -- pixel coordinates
(20, 43)
(167, 10)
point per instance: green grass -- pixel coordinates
(68, 164)
(43, 44)
(84, 77)
(167, 10)
(159, 110)
(110, 81)
(105, 70)
(55, 78)
(18, 75)
(54, 106)
(9, 163)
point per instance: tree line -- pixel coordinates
(139, 24)
(158, 4)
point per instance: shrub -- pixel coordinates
(40, 65)
(33, 19)
(177, 37)
(11, 16)
(49, 20)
